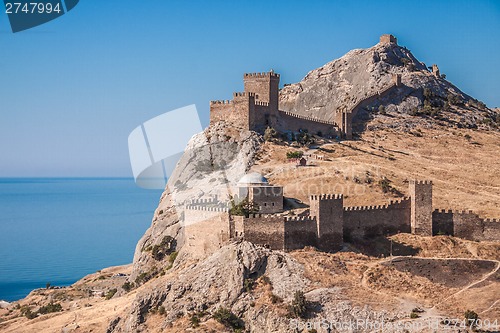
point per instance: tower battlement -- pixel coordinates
(261, 75)
(327, 197)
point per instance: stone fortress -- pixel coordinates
(257, 107)
(327, 224)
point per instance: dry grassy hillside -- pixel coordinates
(462, 163)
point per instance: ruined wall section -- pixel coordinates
(363, 222)
(206, 229)
(465, 224)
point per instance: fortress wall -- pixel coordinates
(491, 230)
(265, 230)
(221, 110)
(468, 225)
(209, 233)
(195, 214)
(237, 227)
(288, 122)
(465, 224)
(442, 222)
(371, 221)
(299, 232)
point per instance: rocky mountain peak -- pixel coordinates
(342, 83)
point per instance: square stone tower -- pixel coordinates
(421, 207)
(388, 39)
(329, 212)
(265, 85)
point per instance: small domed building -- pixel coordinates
(257, 189)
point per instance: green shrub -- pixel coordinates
(161, 310)
(30, 315)
(385, 185)
(244, 208)
(414, 315)
(128, 286)
(50, 308)
(294, 154)
(471, 317)
(228, 319)
(111, 293)
(172, 257)
(195, 320)
(298, 308)
(166, 247)
(248, 285)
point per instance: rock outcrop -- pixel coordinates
(213, 159)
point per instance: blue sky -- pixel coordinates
(73, 89)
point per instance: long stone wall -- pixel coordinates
(371, 221)
(465, 224)
(267, 230)
(288, 121)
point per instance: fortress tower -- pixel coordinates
(265, 86)
(421, 207)
(329, 211)
(388, 39)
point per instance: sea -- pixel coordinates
(57, 230)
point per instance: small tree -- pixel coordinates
(298, 308)
(294, 154)
(228, 319)
(244, 208)
(471, 317)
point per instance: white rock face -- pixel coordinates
(212, 164)
(4, 304)
(359, 73)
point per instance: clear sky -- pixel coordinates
(73, 89)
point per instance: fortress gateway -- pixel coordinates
(327, 223)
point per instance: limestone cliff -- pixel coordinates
(342, 83)
(214, 158)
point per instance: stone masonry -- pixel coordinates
(328, 224)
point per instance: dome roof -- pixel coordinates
(253, 178)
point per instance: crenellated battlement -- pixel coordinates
(207, 208)
(298, 116)
(392, 204)
(222, 101)
(244, 94)
(491, 220)
(292, 219)
(421, 182)
(261, 75)
(260, 103)
(204, 201)
(455, 211)
(326, 197)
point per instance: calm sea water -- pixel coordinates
(58, 230)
